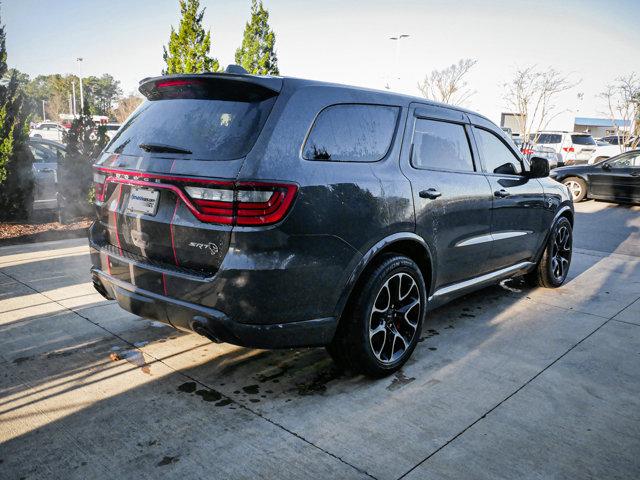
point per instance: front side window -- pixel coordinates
(441, 146)
(351, 133)
(496, 155)
(627, 161)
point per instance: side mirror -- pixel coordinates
(606, 166)
(539, 167)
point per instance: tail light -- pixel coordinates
(569, 149)
(254, 203)
(213, 201)
(527, 151)
(99, 185)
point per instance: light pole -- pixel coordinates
(44, 115)
(79, 59)
(397, 39)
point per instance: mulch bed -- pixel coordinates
(42, 229)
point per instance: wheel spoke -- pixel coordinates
(384, 288)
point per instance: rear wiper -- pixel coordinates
(161, 148)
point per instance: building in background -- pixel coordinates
(599, 127)
(513, 122)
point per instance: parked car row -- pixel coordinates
(55, 131)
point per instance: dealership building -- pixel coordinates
(599, 127)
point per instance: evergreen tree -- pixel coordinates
(256, 54)
(85, 142)
(16, 176)
(188, 49)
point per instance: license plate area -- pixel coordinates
(143, 201)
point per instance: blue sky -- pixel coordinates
(347, 41)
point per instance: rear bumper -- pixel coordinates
(210, 322)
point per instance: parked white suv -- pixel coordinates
(47, 131)
(575, 147)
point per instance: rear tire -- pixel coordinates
(577, 187)
(553, 267)
(383, 321)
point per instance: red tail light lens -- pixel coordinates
(99, 185)
(569, 149)
(245, 203)
(527, 151)
(213, 201)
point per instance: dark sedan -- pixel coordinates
(616, 179)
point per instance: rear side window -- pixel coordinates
(548, 138)
(495, 154)
(211, 125)
(440, 145)
(351, 133)
(582, 140)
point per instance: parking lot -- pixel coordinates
(509, 382)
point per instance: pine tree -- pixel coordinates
(256, 54)
(188, 49)
(16, 176)
(85, 142)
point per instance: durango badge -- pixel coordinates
(211, 247)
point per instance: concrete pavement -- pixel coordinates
(508, 382)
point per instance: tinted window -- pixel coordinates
(351, 133)
(582, 140)
(494, 153)
(548, 138)
(440, 145)
(210, 129)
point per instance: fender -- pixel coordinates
(563, 208)
(366, 259)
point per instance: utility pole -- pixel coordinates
(73, 94)
(44, 116)
(81, 94)
(397, 39)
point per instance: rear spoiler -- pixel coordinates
(148, 86)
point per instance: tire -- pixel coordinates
(552, 269)
(383, 320)
(577, 188)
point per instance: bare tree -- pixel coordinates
(126, 106)
(449, 85)
(531, 96)
(623, 104)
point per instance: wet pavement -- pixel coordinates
(508, 382)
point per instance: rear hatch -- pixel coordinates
(166, 185)
(584, 146)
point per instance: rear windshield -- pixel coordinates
(547, 138)
(582, 140)
(209, 129)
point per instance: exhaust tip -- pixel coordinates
(200, 328)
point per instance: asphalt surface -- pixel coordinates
(508, 382)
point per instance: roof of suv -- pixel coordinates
(276, 83)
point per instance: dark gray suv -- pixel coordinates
(278, 212)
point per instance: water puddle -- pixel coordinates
(399, 381)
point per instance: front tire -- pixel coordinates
(577, 187)
(553, 267)
(382, 324)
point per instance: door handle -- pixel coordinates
(48, 170)
(431, 193)
(502, 193)
(635, 174)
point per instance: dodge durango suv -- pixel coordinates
(278, 212)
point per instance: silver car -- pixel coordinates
(46, 154)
